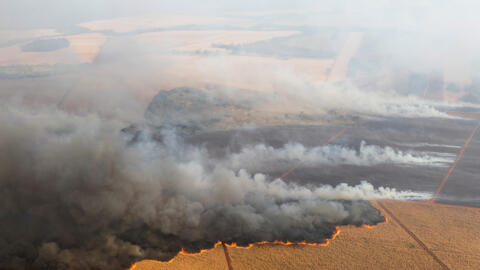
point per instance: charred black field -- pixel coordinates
(444, 137)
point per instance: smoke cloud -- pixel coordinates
(76, 195)
(258, 157)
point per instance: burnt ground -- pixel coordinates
(404, 134)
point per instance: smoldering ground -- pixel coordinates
(260, 155)
(75, 195)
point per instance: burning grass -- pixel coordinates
(385, 246)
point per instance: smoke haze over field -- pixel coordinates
(407, 51)
(89, 199)
(98, 101)
(260, 156)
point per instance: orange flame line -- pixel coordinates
(184, 252)
(373, 226)
(368, 226)
(235, 245)
(287, 243)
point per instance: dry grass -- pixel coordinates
(86, 46)
(212, 260)
(128, 24)
(11, 35)
(339, 70)
(247, 72)
(453, 96)
(83, 49)
(13, 55)
(452, 233)
(192, 41)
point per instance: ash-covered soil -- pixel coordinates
(203, 117)
(442, 137)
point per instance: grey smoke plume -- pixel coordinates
(75, 195)
(425, 144)
(256, 157)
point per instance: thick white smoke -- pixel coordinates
(366, 191)
(425, 144)
(259, 156)
(346, 97)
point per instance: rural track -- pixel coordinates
(420, 242)
(454, 164)
(227, 257)
(327, 142)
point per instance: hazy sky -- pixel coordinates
(55, 13)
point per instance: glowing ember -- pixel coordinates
(336, 233)
(237, 246)
(184, 252)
